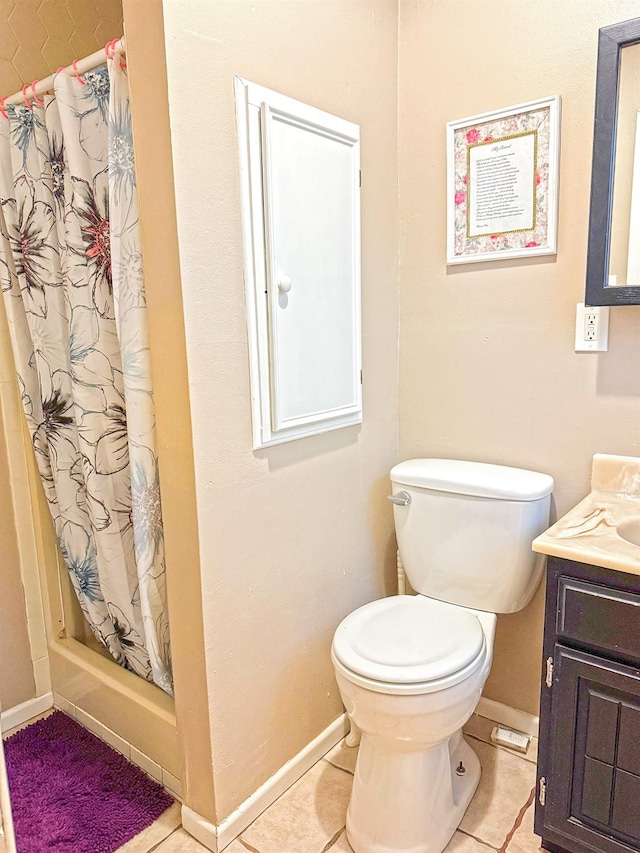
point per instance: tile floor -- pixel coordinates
(310, 816)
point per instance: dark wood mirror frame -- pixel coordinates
(611, 40)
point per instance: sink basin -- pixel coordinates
(630, 530)
(604, 528)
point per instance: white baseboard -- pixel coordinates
(217, 837)
(200, 828)
(26, 711)
(512, 717)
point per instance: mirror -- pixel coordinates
(613, 257)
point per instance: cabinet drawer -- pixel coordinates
(599, 617)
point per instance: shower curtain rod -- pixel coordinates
(81, 67)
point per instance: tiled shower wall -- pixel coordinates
(37, 36)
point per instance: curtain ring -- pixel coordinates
(3, 109)
(24, 97)
(74, 65)
(35, 96)
(110, 48)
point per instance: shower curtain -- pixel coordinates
(72, 283)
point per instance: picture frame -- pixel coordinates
(614, 94)
(502, 183)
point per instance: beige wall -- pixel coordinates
(16, 672)
(487, 368)
(294, 537)
(159, 241)
(23, 592)
(37, 36)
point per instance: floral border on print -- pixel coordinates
(485, 131)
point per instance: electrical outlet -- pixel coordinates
(592, 328)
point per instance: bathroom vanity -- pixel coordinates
(588, 794)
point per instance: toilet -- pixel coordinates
(411, 668)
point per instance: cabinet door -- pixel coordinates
(593, 787)
(300, 179)
(311, 188)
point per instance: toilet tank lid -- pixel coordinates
(478, 479)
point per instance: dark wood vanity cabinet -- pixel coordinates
(588, 795)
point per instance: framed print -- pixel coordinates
(502, 183)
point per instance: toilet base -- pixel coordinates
(409, 801)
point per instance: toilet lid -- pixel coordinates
(408, 639)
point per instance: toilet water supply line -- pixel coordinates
(402, 576)
(400, 499)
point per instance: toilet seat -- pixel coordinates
(409, 644)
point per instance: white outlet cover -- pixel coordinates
(600, 343)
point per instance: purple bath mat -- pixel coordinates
(71, 793)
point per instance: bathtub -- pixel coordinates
(130, 714)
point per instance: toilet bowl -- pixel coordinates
(410, 671)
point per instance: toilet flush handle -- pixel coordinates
(400, 498)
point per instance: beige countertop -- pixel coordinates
(591, 531)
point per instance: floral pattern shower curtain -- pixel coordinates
(72, 282)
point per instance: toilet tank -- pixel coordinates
(465, 535)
